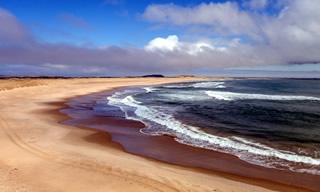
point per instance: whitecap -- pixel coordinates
(150, 89)
(210, 84)
(230, 96)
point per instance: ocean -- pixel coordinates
(273, 123)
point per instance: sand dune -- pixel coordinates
(39, 154)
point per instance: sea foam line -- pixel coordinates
(230, 96)
(150, 89)
(210, 84)
(205, 84)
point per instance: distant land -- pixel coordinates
(144, 76)
(153, 75)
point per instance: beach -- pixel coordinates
(38, 153)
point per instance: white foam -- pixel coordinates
(185, 96)
(230, 96)
(150, 89)
(210, 84)
(206, 84)
(249, 151)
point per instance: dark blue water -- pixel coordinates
(275, 120)
(273, 123)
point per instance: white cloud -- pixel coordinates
(173, 44)
(291, 36)
(11, 32)
(256, 4)
(222, 17)
(295, 32)
(163, 44)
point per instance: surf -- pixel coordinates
(160, 123)
(231, 96)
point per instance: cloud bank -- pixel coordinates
(242, 37)
(221, 17)
(289, 37)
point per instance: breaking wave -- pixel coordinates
(159, 122)
(210, 84)
(230, 96)
(206, 84)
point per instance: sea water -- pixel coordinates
(273, 123)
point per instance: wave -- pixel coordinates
(158, 122)
(184, 96)
(206, 84)
(150, 89)
(210, 84)
(230, 96)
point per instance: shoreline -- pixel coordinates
(72, 159)
(137, 143)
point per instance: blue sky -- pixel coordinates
(216, 34)
(110, 22)
(107, 23)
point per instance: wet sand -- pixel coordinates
(40, 154)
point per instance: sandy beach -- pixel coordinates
(40, 154)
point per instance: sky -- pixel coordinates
(127, 37)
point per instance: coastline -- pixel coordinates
(126, 133)
(73, 159)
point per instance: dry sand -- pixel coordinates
(39, 154)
